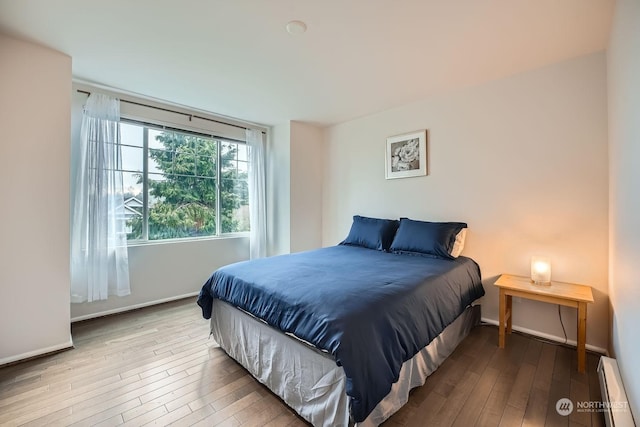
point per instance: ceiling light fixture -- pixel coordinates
(296, 27)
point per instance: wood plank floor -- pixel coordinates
(157, 366)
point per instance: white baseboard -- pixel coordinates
(548, 336)
(131, 307)
(38, 352)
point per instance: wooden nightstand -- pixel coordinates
(568, 294)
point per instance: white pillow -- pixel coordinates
(458, 246)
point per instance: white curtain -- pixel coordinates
(257, 195)
(99, 261)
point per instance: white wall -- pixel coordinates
(623, 72)
(160, 271)
(307, 155)
(294, 188)
(279, 190)
(166, 271)
(35, 83)
(522, 160)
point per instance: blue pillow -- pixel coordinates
(430, 238)
(372, 233)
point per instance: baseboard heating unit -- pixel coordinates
(615, 404)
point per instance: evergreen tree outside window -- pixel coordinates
(182, 185)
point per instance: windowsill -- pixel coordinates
(226, 236)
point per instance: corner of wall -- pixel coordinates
(279, 189)
(623, 80)
(306, 186)
(34, 266)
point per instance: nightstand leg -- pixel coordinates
(582, 335)
(502, 317)
(509, 312)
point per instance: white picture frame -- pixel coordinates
(406, 155)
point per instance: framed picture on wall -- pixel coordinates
(406, 155)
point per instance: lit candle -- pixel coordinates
(540, 270)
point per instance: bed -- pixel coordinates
(343, 333)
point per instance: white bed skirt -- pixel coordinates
(309, 380)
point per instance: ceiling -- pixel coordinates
(234, 57)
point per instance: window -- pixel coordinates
(182, 185)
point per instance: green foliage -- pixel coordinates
(182, 199)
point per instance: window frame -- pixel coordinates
(219, 140)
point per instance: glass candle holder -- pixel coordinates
(541, 270)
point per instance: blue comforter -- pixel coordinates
(371, 310)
